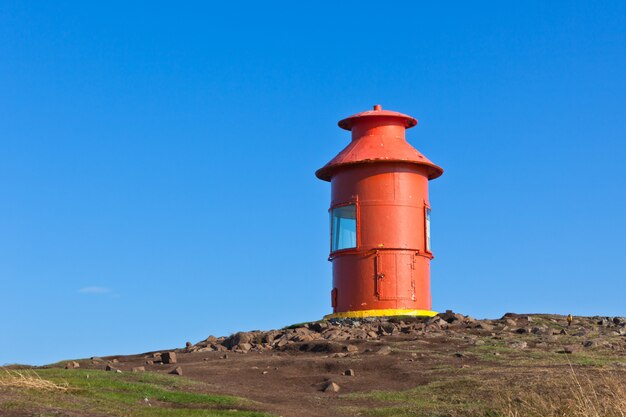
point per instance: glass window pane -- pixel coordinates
(428, 229)
(343, 234)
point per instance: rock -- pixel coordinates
(168, 357)
(385, 350)
(351, 348)
(521, 330)
(188, 345)
(388, 328)
(110, 368)
(237, 339)
(321, 346)
(484, 326)
(518, 345)
(224, 356)
(331, 387)
(149, 362)
(450, 316)
(348, 372)
(244, 347)
(590, 344)
(139, 369)
(269, 337)
(318, 326)
(569, 349)
(72, 365)
(177, 371)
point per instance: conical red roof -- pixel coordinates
(378, 147)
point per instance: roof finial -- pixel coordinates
(378, 107)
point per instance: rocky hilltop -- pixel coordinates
(447, 365)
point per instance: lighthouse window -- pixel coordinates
(428, 229)
(343, 227)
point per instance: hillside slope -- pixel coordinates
(449, 365)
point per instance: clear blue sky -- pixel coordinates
(157, 160)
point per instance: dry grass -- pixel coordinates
(577, 394)
(26, 379)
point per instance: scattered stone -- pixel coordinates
(188, 345)
(590, 344)
(139, 369)
(109, 368)
(177, 371)
(518, 345)
(224, 356)
(385, 350)
(168, 357)
(149, 362)
(351, 348)
(569, 349)
(72, 365)
(348, 372)
(331, 387)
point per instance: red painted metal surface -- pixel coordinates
(386, 263)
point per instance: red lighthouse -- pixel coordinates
(380, 219)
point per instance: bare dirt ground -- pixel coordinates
(447, 365)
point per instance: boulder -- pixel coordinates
(244, 347)
(177, 371)
(168, 357)
(331, 386)
(139, 369)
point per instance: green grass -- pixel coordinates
(126, 395)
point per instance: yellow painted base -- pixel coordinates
(380, 313)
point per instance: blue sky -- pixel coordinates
(157, 160)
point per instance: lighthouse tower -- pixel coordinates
(380, 219)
